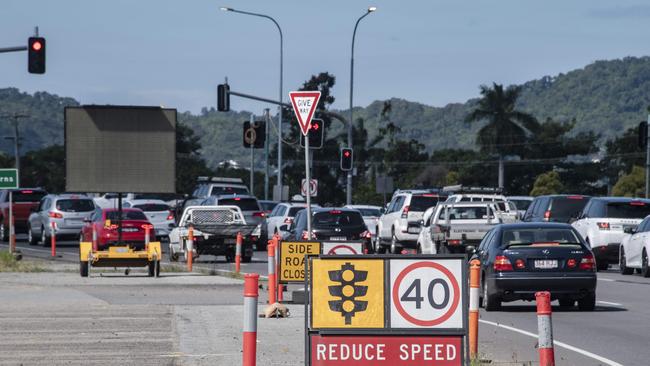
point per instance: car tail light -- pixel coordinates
(259, 214)
(405, 211)
(305, 236)
(520, 264)
(366, 234)
(588, 263)
(637, 203)
(454, 242)
(547, 215)
(571, 263)
(170, 216)
(603, 225)
(145, 226)
(502, 263)
(335, 212)
(55, 215)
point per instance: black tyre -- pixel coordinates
(31, 238)
(587, 303)
(4, 233)
(173, 257)
(381, 249)
(622, 263)
(395, 247)
(154, 268)
(645, 268)
(567, 303)
(602, 265)
(45, 240)
(83, 269)
(490, 302)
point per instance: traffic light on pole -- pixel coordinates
(36, 55)
(346, 159)
(316, 134)
(223, 98)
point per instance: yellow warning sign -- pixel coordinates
(347, 293)
(292, 259)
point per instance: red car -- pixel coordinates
(105, 222)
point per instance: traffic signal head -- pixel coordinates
(254, 134)
(643, 134)
(346, 159)
(223, 98)
(36, 55)
(316, 134)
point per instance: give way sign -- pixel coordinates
(304, 105)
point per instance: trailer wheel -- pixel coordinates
(83, 268)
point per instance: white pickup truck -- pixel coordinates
(215, 231)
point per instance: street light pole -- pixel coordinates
(16, 138)
(348, 190)
(279, 179)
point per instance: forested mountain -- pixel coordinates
(605, 97)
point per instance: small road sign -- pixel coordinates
(8, 178)
(313, 187)
(387, 350)
(292, 259)
(349, 294)
(426, 294)
(250, 136)
(342, 247)
(304, 105)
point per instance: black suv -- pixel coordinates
(331, 224)
(556, 208)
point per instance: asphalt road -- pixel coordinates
(616, 333)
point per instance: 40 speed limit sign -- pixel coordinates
(427, 293)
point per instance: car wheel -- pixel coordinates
(4, 233)
(567, 303)
(45, 240)
(490, 302)
(587, 303)
(30, 237)
(173, 256)
(645, 269)
(394, 245)
(622, 263)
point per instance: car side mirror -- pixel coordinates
(629, 230)
(470, 249)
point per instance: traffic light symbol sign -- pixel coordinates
(348, 291)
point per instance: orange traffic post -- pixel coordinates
(53, 239)
(474, 276)
(94, 239)
(190, 248)
(271, 268)
(544, 329)
(238, 245)
(250, 319)
(147, 238)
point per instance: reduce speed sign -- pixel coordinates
(427, 293)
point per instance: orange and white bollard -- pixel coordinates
(251, 293)
(271, 268)
(276, 242)
(545, 329)
(238, 244)
(53, 239)
(190, 247)
(474, 278)
(147, 236)
(12, 235)
(95, 247)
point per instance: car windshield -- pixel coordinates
(152, 207)
(628, 210)
(268, 206)
(521, 205)
(218, 191)
(27, 196)
(337, 218)
(126, 215)
(246, 204)
(464, 213)
(365, 212)
(565, 208)
(421, 203)
(294, 210)
(74, 205)
(539, 236)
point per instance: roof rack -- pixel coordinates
(459, 188)
(219, 180)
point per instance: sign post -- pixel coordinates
(9, 180)
(304, 105)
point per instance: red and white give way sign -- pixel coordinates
(427, 293)
(342, 247)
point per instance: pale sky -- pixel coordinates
(174, 52)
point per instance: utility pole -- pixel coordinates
(267, 118)
(16, 137)
(252, 145)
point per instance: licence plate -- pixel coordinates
(545, 263)
(130, 229)
(338, 238)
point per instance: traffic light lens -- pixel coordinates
(347, 153)
(315, 126)
(348, 275)
(348, 290)
(348, 306)
(36, 46)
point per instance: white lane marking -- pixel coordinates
(557, 343)
(606, 279)
(609, 303)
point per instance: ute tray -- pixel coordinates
(226, 230)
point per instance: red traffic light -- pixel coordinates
(346, 154)
(315, 126)
(36, 46)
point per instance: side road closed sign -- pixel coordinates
(292, 259)
(352, 350)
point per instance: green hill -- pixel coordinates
(606, 97)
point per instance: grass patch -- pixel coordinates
(9, 264)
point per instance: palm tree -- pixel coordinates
(506, 128)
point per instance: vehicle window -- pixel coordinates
(27, 195)
(41, 205)
(275, 210)
(298, 222)
(369, 212)
(337, 218)
(465, 213)
(521, 205)
(110, 196)
(217, 190)
(486, 239)
(628, 210)
(400, 203)
(75, 205)
(643, 226)
(565, 208)
(531, 209)
(534, 236)
(421, 203)
(268, 206)
(294, 210)
(152, 207)
(282, 210)
(246, 204)
(126, 215)
(465, 199)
